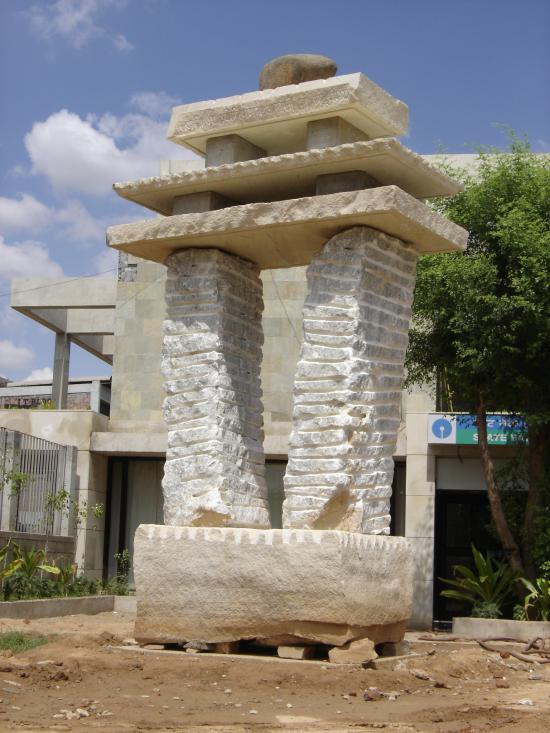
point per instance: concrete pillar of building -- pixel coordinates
(9, 496)
(61, 360)
(215, 469)
(347, 390)
(420, 506)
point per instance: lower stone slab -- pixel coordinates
(218, 584)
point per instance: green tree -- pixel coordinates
(482, 318)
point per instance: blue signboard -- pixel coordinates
(460, 429)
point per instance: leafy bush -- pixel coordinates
(486, 589)
(486, 609)
(118, 585)
(537, 602)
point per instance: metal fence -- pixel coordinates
(38, 481)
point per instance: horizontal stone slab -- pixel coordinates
(289, 233)
(223, 584)
(276, 119)
(293, 176)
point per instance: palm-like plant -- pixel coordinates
(537, 602)
(10, 568)
(490, 584)
(65, 577)
(31, 561)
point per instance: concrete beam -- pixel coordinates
(74, 320)
(85, 292)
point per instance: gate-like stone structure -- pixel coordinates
(304, 172)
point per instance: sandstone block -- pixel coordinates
(222, 584)
(290, 232)
(276, 119)
(355, 652)
(385, 161)
(296, 652)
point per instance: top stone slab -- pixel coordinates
(276, 119)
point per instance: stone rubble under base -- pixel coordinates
(282, 586)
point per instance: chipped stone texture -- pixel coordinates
(276, 119)
(288, 233)
(212, 350)
(224, 584)
(387, 161)
(347, 390)
(295, 68)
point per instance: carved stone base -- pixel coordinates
(219, 584)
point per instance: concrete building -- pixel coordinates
(83, 393)
(438, 486)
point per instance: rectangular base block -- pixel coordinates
(219, 584)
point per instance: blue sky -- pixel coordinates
(86, 88)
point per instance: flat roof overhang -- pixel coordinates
(83, 308)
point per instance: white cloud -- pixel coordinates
(76, 22)
(106, 260)
(87, 156)
(153, 104)
(14, 357)
(27, 259)
(80, 225)
(45, 373)
(25, 212)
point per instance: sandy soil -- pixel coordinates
(468, 690)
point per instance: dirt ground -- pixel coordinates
(80, 681)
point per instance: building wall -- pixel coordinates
(137, 390)
(70, 427)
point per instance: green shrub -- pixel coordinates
(537, 602)
(486, 589)
(486, 609)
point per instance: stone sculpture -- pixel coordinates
(303, 173)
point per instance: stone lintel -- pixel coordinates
(348, 181)
(196, 203)
(330, 132)
(276, 119)
(321, 587)
(274, 178)
(230, 149)
(289, 233)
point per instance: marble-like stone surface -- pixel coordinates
(276, 119)
(215, 472)
(224, 584)
(347, 390)
(288, 233)
(270, 179)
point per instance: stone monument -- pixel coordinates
(304, 172)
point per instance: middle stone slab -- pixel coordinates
(215, 468)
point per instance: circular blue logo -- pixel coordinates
(442, 428)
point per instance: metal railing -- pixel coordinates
(38, 481)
